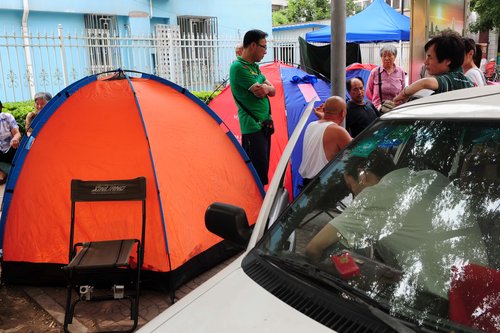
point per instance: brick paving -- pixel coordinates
(112, 315)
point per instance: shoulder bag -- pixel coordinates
(267, 125)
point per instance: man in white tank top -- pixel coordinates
(324, 138)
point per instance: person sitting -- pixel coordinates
(324, 138)
(9, 141)
(41, 98)
(360, 112)
(385, 81)
(393, 214)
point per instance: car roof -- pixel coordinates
(478, 103)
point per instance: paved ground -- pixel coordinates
(96, 316)
(114, 315)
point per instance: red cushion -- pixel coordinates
(475, 297)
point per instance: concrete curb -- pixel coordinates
(54, 309)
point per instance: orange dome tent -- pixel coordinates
(121, 127)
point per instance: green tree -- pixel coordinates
(351, 8)
(310, 10)
(307, 10)
(280, 17)
(489, 15)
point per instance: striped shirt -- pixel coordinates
(452, 80)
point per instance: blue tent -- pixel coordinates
(378, 22)
(294, 89)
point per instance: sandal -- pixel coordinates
(3, 177)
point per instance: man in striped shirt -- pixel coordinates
(444, 57)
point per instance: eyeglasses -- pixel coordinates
(263, 46)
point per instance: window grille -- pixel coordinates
(198, 26)
(199, 36)
(102, 36)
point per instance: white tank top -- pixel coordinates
(313, 154)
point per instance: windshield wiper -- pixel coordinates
(311, 271)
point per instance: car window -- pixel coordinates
(407, 215)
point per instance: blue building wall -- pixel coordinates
(234, 16)
(135, 17)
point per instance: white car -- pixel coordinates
(415, 250)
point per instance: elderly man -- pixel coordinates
(360, 112)
(239, 49)
(324, 138)
(250, 90)
(444, 57)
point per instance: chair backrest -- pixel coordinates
(107, 190)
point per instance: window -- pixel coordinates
(198, 26)
(198, 46)
(102, 33)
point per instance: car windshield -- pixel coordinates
(408, 217)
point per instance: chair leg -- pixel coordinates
(68, 313)
(137, 292)
(134, 306)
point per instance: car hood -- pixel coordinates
(232, 303)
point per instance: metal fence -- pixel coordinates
(51, 61)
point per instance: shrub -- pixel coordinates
(206, 96)
(19, 110)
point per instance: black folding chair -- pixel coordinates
(105, 263)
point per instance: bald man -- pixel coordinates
(324, 138)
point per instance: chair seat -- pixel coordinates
(103, 254)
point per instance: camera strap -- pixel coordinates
(380, 85)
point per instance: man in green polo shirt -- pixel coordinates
(250, 90)
(444, 57)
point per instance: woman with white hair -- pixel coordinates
(386, 81)
(41, 98)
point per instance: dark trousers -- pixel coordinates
(258, 148)
(8, 156)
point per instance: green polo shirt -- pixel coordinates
(242, 75)
(453, 80)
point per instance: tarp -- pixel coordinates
(292, 95)
(378, 22)
(122, 128)
(316, 58)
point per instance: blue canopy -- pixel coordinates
(378, 22)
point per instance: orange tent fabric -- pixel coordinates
(117, 129)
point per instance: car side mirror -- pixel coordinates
(229, 222)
